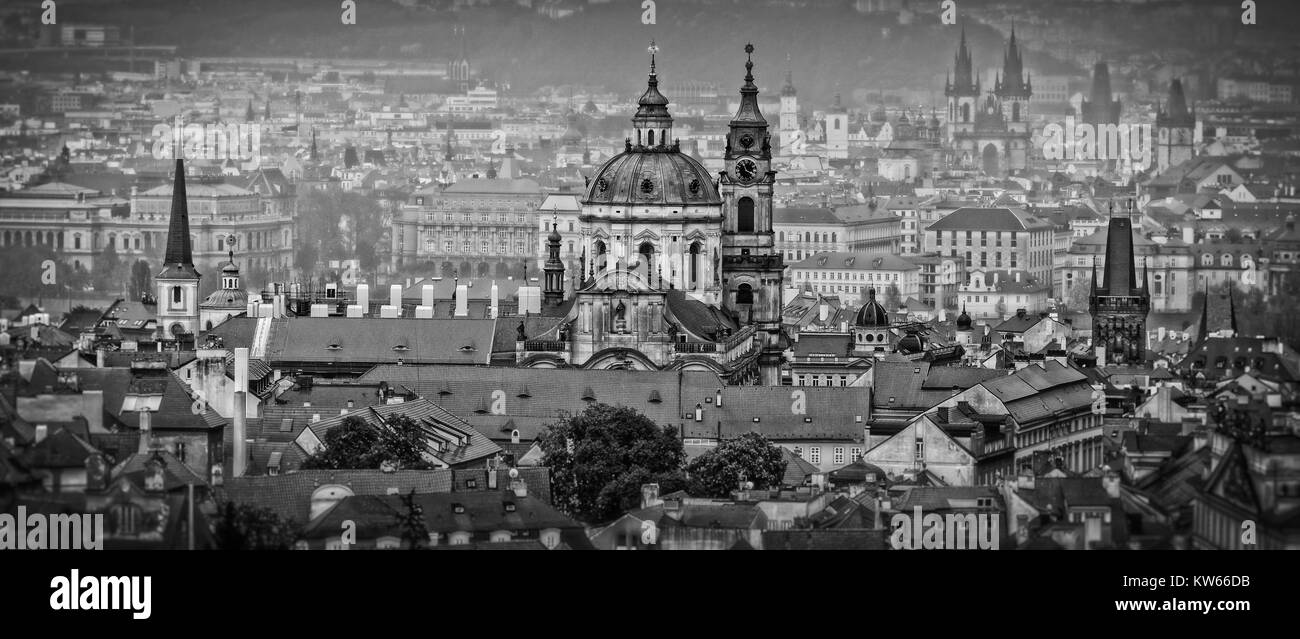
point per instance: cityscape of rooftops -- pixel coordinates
(649, 275)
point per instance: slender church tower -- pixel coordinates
(1175, 129)
(751, 265)
(1119, 303)
(178, 282)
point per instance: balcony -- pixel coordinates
(695, 347)
(545, 345)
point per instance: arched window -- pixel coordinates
(695, 261)
(652, 138)
(834, 237)
(745, 218)
(1015, 111)
(1207, 260)
(781, 236)
(1227, 259)
(744, 294)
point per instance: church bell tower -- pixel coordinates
(751, 265)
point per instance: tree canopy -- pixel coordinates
(356, 444)
(248, 527)
(600, 457)
(749, 457)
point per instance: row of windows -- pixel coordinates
(484, 246)
(809, 237)
(821, 380)
(837, 454)
(500, 218)
(852, 276)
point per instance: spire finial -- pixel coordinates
(653, 49)
(749, 62)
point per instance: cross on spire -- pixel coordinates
(749, 62)
(653, 49)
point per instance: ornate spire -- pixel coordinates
(652, 111)
(748, 113)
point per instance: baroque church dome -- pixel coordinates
(652, 170)
(660, 176)
(872, 314)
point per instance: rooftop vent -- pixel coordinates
(588, 394)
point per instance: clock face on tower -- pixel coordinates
(746, 170)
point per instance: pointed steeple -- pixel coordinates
(1100, 108)
(964, 82)
(1174, 113)
(178, 261)
(1012, 81)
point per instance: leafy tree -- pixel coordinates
(1076, 299)
(600, 457)
(106, 267)
(141, 279)
(749, 457)
(414, 530)
(358, 444)
(248, 527)
(892, 298)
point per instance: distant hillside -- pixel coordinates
(834, 48)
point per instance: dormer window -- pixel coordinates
(468, 348)
(401, 347)
(510, 506)
(334, 346)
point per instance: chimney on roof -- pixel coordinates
(943, 414)
(1025, 480)
(41, 431)
(146, 431)
(650, 495)
(517, 485)
(1021, 313)
(240, 416)
(363, 297)
(395, 297)
(1111, 482)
